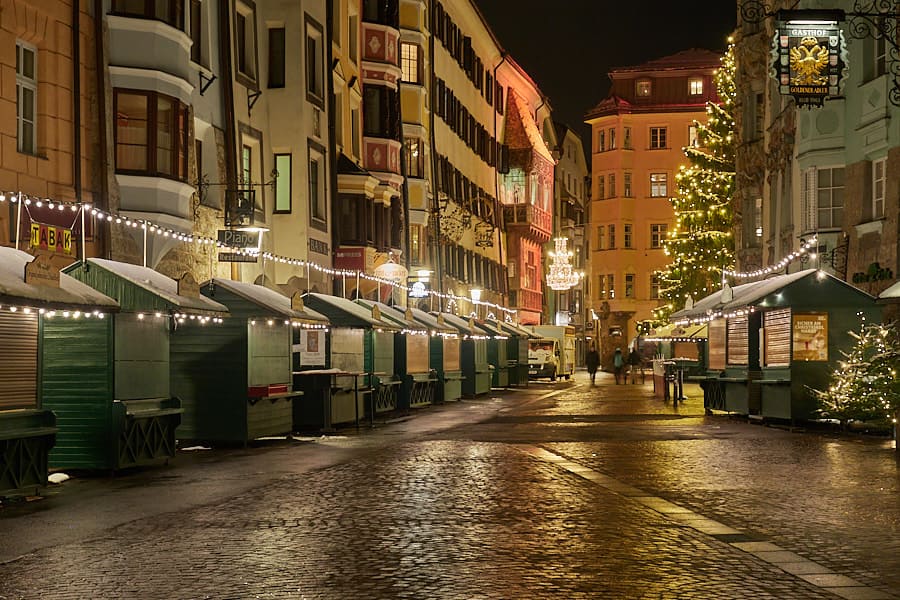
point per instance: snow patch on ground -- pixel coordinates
(194, 448)
(58, 478)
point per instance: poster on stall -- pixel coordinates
(810, 337)
(312, 348)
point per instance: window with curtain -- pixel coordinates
(151, 134)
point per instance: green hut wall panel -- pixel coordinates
(383, 353)
(208, 367)
(76, 384)
(268, 352)
(270, 417)
(130, 297)
(142, 357)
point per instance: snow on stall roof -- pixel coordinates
(431, 321)
(516, 330)
(351, 308)
(890, 293)
(157, 283)
(70, 293)
(742, 295)
(458, 322)
(266, 298)
(393, 314)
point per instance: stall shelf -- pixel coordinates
(132, 420)
(53, 331)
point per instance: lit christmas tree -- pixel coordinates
(864, 386)
(701, 244)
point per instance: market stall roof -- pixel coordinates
(461, 324)
(516, 330)
(342, 312)
(393, 314)
(671, 331)
(492, 329)
(433, 322)
(140, 288)
(71, 293)
(892, 294)
(268, 299)
(764, 293)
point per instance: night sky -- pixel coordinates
(569, 46)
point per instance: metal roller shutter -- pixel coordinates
(18, 360)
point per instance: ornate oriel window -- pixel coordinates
(151, 134)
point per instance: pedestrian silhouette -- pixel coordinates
(618, 365)
(592, 360)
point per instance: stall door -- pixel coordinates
(268, 353)
(142, 357)
(18, 369)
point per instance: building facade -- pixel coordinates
(637, 138)
(823, 173)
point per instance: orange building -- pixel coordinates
(637, 135)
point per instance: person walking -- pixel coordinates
(634, 363)
(592, 360)
(618, 365)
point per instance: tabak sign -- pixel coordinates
(51, 238)
(810, 56)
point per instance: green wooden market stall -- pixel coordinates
(51, 329)
(517, 351)
(445, 351)
(476, 369)
(417, 382)
(497, 352)
(361, 341)
(235, 380)
(770, 341)
(131, 418)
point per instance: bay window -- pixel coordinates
(151, 134)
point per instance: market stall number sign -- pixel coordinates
(810, 338)
(52, 238)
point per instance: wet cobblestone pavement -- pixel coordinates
(557, 491)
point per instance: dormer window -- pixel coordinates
(643, 88)
(695, 86)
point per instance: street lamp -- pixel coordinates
(475, 294)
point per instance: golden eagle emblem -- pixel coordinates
(808, 62)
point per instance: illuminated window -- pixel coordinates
(629, 285)
(695, 86)
(658, 234)
(151, 134)
(642, 88)
(415, 157)
(601, 141)
(612, 237)
(693, 138)
(26, 97)
(654, 287)
(283, 183)
(409, 63)
(627, 191)
(601, 286)
(657, 138)
(611, 286)
(627, 236)
(626, 138)
(658, 185)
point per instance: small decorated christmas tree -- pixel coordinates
(865, 386)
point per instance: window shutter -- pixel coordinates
(808, 195)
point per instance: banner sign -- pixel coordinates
(51, 238)
(809, 58)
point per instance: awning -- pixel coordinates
(678, 333)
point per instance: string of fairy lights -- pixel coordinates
(150, 227)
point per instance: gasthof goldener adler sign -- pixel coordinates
(809, 58)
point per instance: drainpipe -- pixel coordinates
(225, 9)
(332, 142)
(504, 286)
(435, 198)
(76, 97)
(102, 247)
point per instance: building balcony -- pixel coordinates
(537, 222)
(526, 300)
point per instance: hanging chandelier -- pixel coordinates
(562, 276)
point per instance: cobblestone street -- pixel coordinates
(559, 491)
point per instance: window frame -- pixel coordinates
(277, 63)
(630, 280)
(695, 86)
(318, 205)
(643, 88)
(659, 185)
(627, 235)
(180, 149)
(23, 83)
(658, 233)
(176, 10)
(314, 69)
(417, 160)
(195, 32)
(411, 63)
(879, 181)
(246, 50)
(278, 206)
(627, 184)
(659, 138)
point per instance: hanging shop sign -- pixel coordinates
(51, 238)
(418, 290)
(235, 238)
(810, 337)
(238, 257)
(809, 55)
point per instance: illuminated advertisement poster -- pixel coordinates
(312, 348)
(810, 337)
(809, 60)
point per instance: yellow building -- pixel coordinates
(637, 135)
